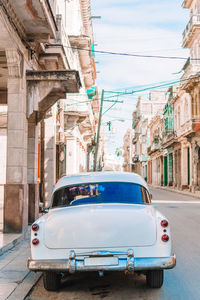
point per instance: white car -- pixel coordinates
(101, 222)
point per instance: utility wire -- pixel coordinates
(124, 53)
(156, 86)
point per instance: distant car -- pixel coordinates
(101, 222)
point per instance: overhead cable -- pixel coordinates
(124, 53)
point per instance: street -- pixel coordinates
(180, 283)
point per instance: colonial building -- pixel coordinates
(40, 62)
(155, 168)
(146, 109)
(187, 108)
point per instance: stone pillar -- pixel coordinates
(161, 171)
(184, 170)
(153, 172)
(175, 167)
(32, 163)
(72, 145)
(16, 189)
(182, 165)
(194, 155)
(49, 158)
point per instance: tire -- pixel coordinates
(51, 281)
(155, 278)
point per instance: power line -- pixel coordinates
(124, 53)
(156, 86)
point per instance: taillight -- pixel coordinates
(35, 227)
(164, 223)
(165, 238)
(35, 241)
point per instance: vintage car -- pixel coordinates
(101, 222)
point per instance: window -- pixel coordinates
(106, 192)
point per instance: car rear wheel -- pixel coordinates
(51, 281)
(155, 278)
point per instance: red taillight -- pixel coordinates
(35, 241)
(35, 227)
(164, 223)
(165, 238)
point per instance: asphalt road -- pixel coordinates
(181, 283)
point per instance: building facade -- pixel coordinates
(41, 136)
(174, 144)
(146, 109)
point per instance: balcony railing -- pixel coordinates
(192, 25)
(191, 68)
(167, 135)
(155, 146)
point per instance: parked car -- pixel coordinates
(101, 222)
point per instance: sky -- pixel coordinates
(139, 27)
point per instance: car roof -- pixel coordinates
(92, 177)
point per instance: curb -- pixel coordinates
(175, 191)
(23, 289)
(15, 241)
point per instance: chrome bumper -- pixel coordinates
(126, 261)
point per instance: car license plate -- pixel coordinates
(101, 261)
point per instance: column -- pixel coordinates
(72, 145)
(49, 158)
(184, 170)
(194, 155)
(161, 171)
(32, 164)
(16, 189)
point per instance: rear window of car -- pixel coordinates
(106, 192)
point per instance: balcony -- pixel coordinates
(143, 158)
(36, 17)
(189, 128)
(155, 145)
(59, 55)
(190, 68)
(190, 30)
(168, 136)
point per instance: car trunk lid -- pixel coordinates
(100, 226)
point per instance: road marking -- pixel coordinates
(175, 202)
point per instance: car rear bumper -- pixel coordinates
(103, 261)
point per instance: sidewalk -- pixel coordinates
(15, 279)
(172, 189)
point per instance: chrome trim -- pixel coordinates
(75, 263)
